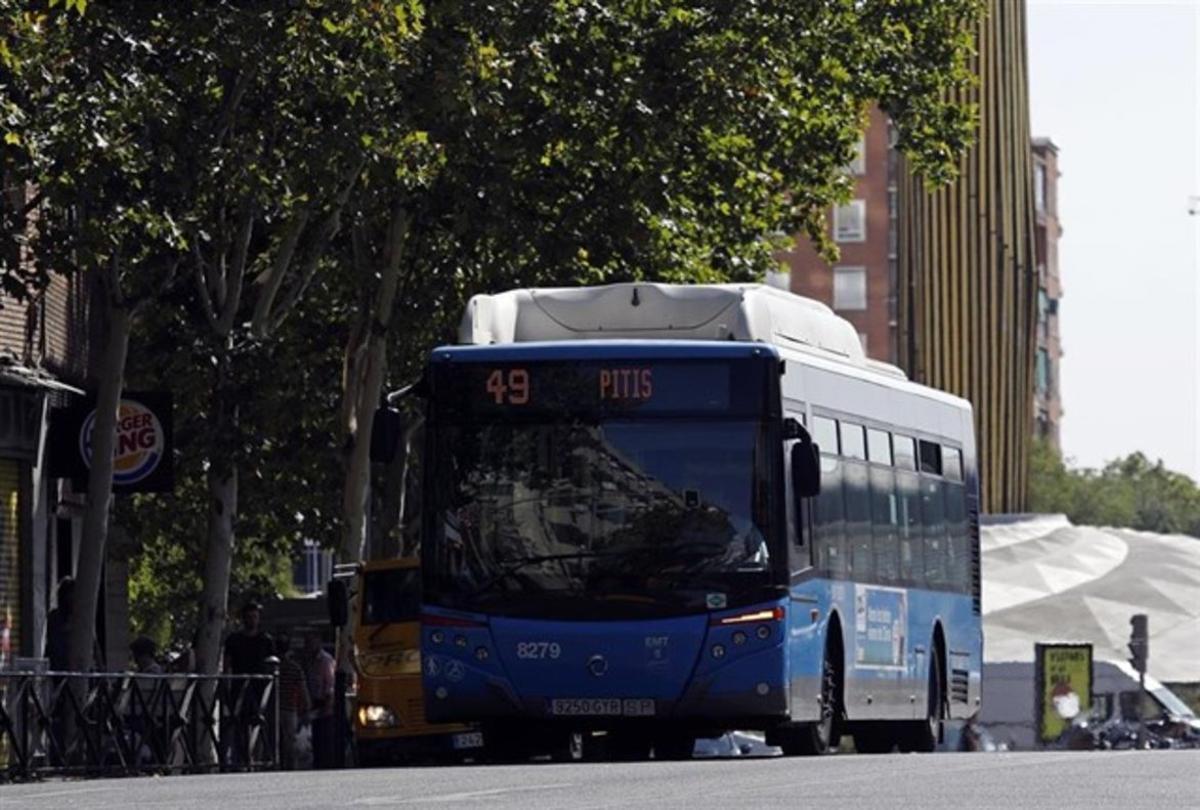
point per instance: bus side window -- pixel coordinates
(931, 457)
(885, 515)
(908, 497)
(933, 518)
(960, 540)
(855, 481)
(905, 452)
(854, 443)
(830, 542)
(825, 435)
(879, 447)
(952, 463)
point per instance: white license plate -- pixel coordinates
(603, 707)
(471, 739)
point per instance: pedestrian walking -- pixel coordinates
(293, 700)
(318, 676)
(143, 700)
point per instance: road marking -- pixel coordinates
(457, 797)
(57, 793)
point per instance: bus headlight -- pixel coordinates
(374, 715)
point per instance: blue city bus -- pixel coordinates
(645, 542)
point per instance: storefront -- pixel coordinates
(38, 519)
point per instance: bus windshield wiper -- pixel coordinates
(523, 562)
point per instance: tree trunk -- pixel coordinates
(100, 476)
(385, 542)
(222, 481)
(391, 519)
(362, 386)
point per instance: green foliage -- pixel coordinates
(284, 445)
(528, 143)
(1130, 492)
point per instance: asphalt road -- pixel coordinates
(1151, 780)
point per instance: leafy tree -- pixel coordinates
(393, 159)
(214, 137)
(1131, 492)
(579, 142)
(288, 482)
(308, 91)
(101, 139)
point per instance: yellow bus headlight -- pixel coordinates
(375, 715)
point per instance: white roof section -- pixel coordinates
(647, 311)
(1077, 583)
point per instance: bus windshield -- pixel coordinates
(562, 515)
(391, 595)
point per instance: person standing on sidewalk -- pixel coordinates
(318, 675)
(246, 653)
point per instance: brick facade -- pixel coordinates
(813, 277)
(1047, 396)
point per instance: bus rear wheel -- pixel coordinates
(875, 738)
(926, 734)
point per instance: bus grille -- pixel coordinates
(959, 688)
(414, 714)
(976, 570)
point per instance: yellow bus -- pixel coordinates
(389, 711)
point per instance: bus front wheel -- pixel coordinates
(814, 739)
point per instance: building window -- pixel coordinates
(850, 222)
(850, 288)
(1042, 371)
(858, 163)
(1039, 187)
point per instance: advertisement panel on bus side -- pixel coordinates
(880, 624)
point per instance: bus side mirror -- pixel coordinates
(337, 594)
(806, 469)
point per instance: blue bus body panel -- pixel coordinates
(529, 663)
(887, 636)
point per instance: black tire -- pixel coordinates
(823, 736)
(926, 734)
(674, 747)
(875, 738)
(506, 745)
(625, 746)
(568, 748)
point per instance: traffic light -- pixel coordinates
(1139, 641)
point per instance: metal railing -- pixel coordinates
(110, 724)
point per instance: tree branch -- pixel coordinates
(272, 277)
(206, 302)
(269, 317)
(237, 270)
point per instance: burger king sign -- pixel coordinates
(140, 442)
(142, 450)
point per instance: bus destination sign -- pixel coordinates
(597, 386)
